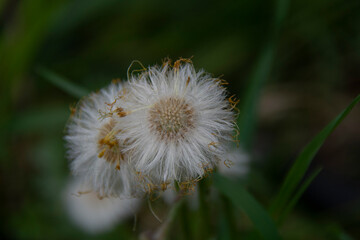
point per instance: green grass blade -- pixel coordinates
(204, 214)
(282, 7)
(298, 194)
(44, 120)
(303, 161)
(345, 236)
(86, 10)
(62, 83)
(165, 230)
(247, 118)
(224, 231)
(247, 203)
(2, 4)
(260, 74)
(226, 222)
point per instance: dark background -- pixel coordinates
(313, 72)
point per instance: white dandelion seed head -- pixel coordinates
(177, 122)
(93, 214)
(93, 147)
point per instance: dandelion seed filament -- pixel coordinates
(108, 145)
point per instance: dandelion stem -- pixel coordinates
(152, 211)
(185, 221)
(135, 223)
(164, 230)
(203, 212)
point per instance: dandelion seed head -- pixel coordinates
(93, 147)
(177, 123)
(94, 214)
(171, 123)
(109, 147)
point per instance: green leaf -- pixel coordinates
(62, 83)
(86, 10)
(204, 213)
(226, 220)
(165, 231)
(2, 4)
(298, 194)
(345, 236)
(303, 161)
(247, 118)
(247, 203)
(39, 120)
(260, 74)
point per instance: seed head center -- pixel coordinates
(171, 118)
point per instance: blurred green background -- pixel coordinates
(300, 60)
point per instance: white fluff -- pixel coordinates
(170, 196)
(177, 122)
(92, 214)
(236, 164)
(82, 140)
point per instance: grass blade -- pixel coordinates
(303, 161)
(247, 118)
(44, 120)
(64, 84)
(298, 194)
(247, 203)
(260, 74)
(227, 221)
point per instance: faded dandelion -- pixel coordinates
(95, 151)
(93, 214)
